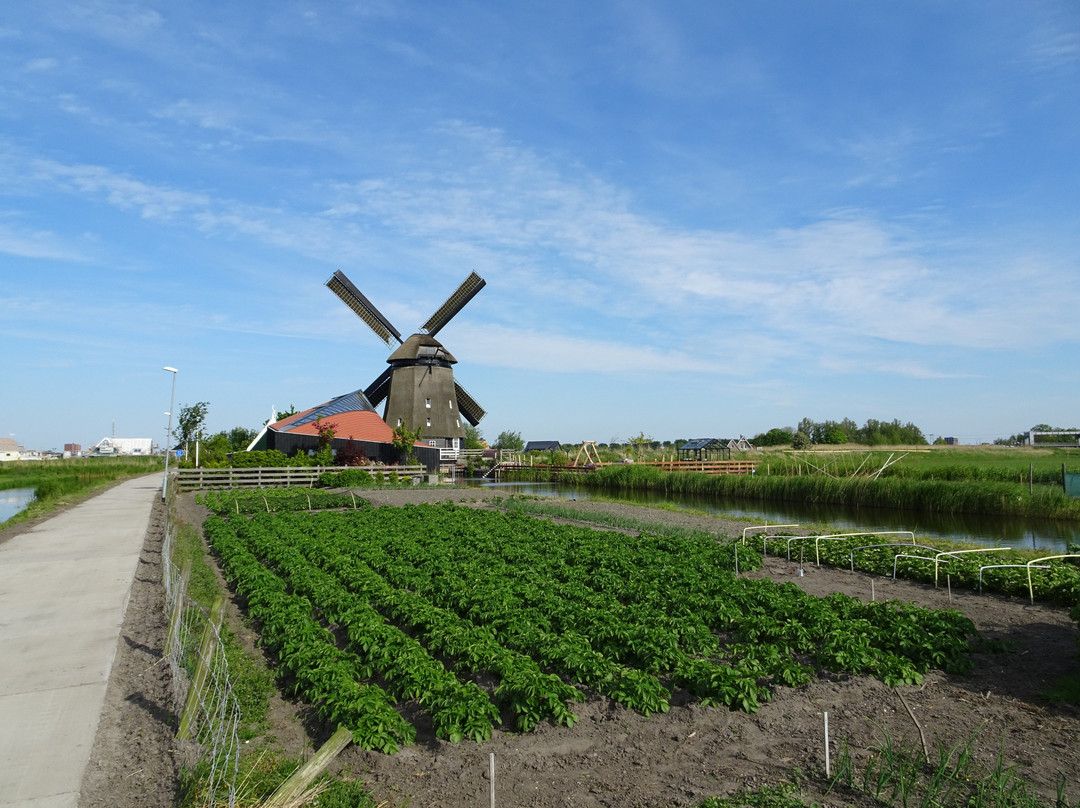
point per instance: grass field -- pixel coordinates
(59, 482)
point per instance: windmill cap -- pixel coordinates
(420, 347)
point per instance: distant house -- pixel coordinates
(116, 447)
(543, 446)
(740, 445)
(9, 450)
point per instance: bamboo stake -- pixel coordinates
(828, 770)
(492, 778)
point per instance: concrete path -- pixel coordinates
(63, 590)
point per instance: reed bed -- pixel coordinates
(938, 496)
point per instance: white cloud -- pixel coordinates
(503, 346)
(119, 22)
(37, 244)
(38, 65)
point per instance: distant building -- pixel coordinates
(140, 447)
(952, 441)
(73, 449)
(543, 446)
(9, 450)
(699, 449)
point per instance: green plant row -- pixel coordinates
(531, 694)
(613, 611)
(327, 677)
(1060, 584)
(458, 709)
(273, 500)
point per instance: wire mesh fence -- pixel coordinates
(202, 688)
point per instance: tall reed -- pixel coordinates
(941, 496)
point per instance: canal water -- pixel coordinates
(13, 500)
(1027, 534)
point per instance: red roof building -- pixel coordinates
(355, 424)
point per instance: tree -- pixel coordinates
(325, 455)
(510, 441)
(240, 438)
(189, 426)
(835, 435)
(405, 439)
(474, 438)
(640, 443)
(801, 441)
(775, 437)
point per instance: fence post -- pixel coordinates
(304, 776)
(202, 665)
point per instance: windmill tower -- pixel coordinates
(419, 386)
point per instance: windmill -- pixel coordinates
(419, 386)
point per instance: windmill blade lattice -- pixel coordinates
(364, 308)
(455, 303)
(467, 405)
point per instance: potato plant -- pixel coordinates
(429, 600)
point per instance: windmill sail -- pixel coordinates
(364, 308)
(379, 389)
(418, 387)
(467, 405)
(455, 303)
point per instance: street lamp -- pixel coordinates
(168, 430)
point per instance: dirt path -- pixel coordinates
(614, 757)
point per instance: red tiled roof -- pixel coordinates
(355, 424)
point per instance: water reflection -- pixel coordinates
(13, 500)
(1026, 534)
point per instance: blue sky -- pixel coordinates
(694, 218)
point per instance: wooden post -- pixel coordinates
(202, 664)
(304, 776)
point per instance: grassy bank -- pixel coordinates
(61, 482)
(909, 493)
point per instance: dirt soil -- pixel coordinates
(615, 757)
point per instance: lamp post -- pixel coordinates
(168, 431)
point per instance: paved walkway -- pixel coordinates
(63, 590)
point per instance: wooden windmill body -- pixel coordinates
(418, 386)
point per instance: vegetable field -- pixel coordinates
(489, 620)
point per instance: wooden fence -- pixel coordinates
(287, 477)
